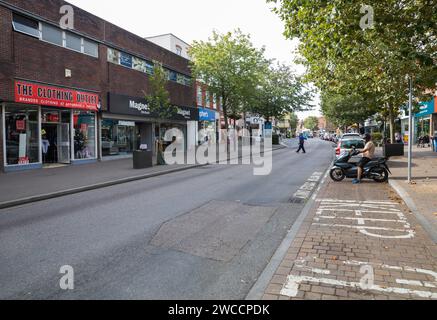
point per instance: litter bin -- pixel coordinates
(393, 150)
(143, 159)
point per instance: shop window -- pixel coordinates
(26, 25)
(21, 130)
(73, 42)
(84, 135)
(91, 48)
(51, 34)
(118, 137)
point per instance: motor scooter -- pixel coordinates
(377, 169)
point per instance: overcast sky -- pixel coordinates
(196, 19)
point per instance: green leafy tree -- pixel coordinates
(280, 93)
(311, 123)
(159, 101)
(159, 98)
(293, 121)
(231, 68)
(343, 58)
(346, 110)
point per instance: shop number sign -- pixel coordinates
(33, 93)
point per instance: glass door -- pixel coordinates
(64, 146)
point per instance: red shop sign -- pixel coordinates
(32, 93)
(21, 125)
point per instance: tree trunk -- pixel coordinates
(392, 123)
(225, 114)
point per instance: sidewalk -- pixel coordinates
(351, 234)
(422, 193)
(18, 188)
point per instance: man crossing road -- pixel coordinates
(302, 139)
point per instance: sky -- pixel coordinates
(196, 19)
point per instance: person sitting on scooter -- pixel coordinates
(368, 153)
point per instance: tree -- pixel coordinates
(294, 121)
(159, 98)
(280, 93)
(311, 123)
(344, 59)
(159, 101)
(346, 110)
(231, 68)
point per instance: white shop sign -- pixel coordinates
(126, 123)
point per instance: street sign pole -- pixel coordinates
(410, 129)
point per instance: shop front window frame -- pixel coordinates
(3, 115)
(73, 158)
(73, 133)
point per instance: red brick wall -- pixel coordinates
(26, 57)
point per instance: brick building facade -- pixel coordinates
(30, 51)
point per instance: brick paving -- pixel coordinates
(424, 188)
(351, 234)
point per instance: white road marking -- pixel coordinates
(305, 191)
(351, 210)
(291, 287)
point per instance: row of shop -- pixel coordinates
(50, 125)
(425, 122)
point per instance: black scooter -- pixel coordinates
(376, 169)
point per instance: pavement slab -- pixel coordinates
(359, 242)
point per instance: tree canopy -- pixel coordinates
(159, 98)
(231, 67)
(280, 93)
(344, 58)
(311, 123)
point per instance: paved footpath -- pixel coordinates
(354, 234)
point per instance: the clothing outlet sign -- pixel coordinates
(34, 93)
(134, 106)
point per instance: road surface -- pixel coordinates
(206, 233)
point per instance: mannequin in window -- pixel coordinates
(45, 144)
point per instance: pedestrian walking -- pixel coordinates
(302, 139)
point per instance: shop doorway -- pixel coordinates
(55, 138)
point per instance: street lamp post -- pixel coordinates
(410, 128)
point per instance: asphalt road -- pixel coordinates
(206, 233)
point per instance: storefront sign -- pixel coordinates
(33, 93)
(21, 125)
(426, 108)
(126, 123)
(132, 106)
(206, 115)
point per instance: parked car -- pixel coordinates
(346, 145)
(351, 136)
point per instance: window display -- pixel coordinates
(118, 137)
(21, 130)
(84, 135)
